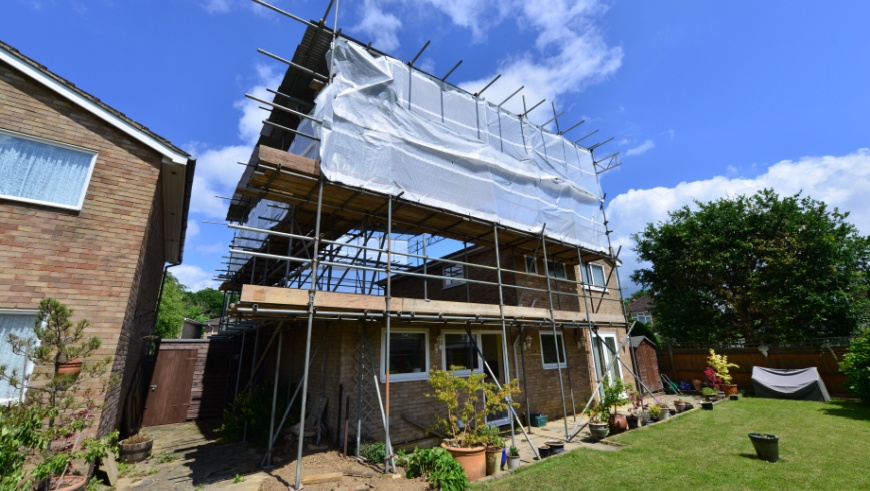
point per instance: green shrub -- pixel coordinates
(375, 452)
(255, 408)
(438, 467)
(856, 367)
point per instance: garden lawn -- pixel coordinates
(821, 446)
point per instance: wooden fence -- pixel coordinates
(685, 364)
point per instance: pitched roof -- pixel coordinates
(642, 304)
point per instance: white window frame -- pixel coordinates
(588, 278)
(531, 264)
(450, 274)
(558, 364)
(87, 183)
(553, 267)
(28, 366)
(461, 373)
(403, 377)
(617, 364)
(644, 317)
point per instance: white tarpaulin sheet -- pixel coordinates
(391, 129)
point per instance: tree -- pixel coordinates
(856, 367)
(173, 309)
(209, 301)
(759, 268)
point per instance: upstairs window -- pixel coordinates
(593, 274)
(42, 172)
(531, 265)
(556, 270)
(453, 276)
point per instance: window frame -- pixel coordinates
(554, 266)
(450, 280)
(531, 264)
(87, 182)
(586, 275)
(477, 361)
(557, 364)
(405, 377)
(28, 365)
(645, 317)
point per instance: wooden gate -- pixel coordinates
(169, 392)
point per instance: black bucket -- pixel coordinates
(544, 450)
(766, 446)
(556, 447)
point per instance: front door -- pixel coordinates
(169, 392)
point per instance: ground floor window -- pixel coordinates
(409, 354)
(459, 351)
(18, 323)
(552, 352)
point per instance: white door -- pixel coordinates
(604, 350)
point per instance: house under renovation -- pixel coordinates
(389, 222)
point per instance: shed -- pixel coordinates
(643, 354)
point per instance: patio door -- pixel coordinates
(604, 350)
(490, 345)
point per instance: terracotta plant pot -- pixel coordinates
(73, 367)
(617, 424)
(472, 460)
(134, 452)
(697, 383)
(69, 483)
(493, 458)
(728, 389)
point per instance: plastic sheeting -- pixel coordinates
(804, 384)
(390, 128)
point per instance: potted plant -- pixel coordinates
(709, 393)
(665, 411)
(513, 458)
(720, 365)
(64, 398)
(679, 405)
(494, 446)
(655, 412)
(597, 427)
(766, 446)
(468, 400)
(135, 448)
(614, 397)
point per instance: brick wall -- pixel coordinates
(97, 260)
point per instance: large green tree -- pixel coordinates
(761, 268)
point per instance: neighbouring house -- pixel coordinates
(641, 309)
(389, 201)
(193, 329)
(92, 206)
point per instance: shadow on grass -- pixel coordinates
(848, 409)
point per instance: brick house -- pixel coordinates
(641, 309)
(92, 206)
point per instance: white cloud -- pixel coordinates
(217, 6)
(641, 149)
(381, 27)
(194, 277)
(839, 181)
(192, 229)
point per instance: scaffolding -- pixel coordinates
(318, 242)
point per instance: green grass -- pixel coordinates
(822, 446)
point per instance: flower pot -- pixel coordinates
(707, 405)
(493, 458)
(556, 447)
(680, 406)
(472, 460)
(71, 367)
(631, 419)
(134, 452)
(513, 462)
(766, 446)
(598, 430)
(617, 424)
(697, 383)
(688, 407)
(728, 389)
(733, 397)
(69, 483)
(666, 413)
(721, 394)
(544, 451)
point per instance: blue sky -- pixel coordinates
(703, 98)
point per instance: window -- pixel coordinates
(459, 351)
(556, 270)
(531, 265)
(409, 354)
(37, 171)
(451, 273)
(593, 274)
(18, 323)
(552, 358)
(644, 317)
